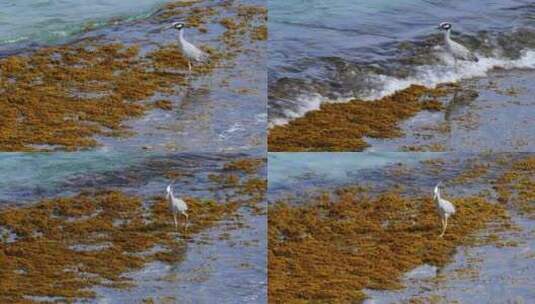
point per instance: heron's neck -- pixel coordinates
(447, 35)
(171, 196)
(437, 196)
(181, 36)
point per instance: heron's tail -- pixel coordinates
(204, 57)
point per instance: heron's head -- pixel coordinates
(178, 25)
(436, 192)
(168, 191)
(444, 26)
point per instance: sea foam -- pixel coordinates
(425, 75)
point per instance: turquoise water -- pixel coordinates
(297, 171)
(27, 177)
(50, 21)
(22, 174)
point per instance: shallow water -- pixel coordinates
(499, 119)
(296, 172)
(337, 50)
(222, 111)
(485, 274)
(226, 268)
(229, 271)
(291, 174)
(27, 177)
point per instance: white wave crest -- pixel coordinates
(431, 76)
(426, 75)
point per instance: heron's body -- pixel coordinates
(444, 207)
(176, 206)
(457, 50)
(190, 51)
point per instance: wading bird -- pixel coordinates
(457, 50)
(445, 208)
(191, 52)
(176, 206)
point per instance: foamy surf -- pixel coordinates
(431, 76)
(426, 75)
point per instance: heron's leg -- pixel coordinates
(189, 66)
(187, 222)
(443, 227)
(176, 222)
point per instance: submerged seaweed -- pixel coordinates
(61, 97)
(46, 259)
(64, 247)
(331, 246)
(516, 187)
(330, 249)
(344, 126)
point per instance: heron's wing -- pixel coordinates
(202, 55)
(447, 206)
(463, 52)
(474, 57)
(182, 205)
(195, 52)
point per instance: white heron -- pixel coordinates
(176, 206)
(457, 50)
(190, 51)
(445, 208)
